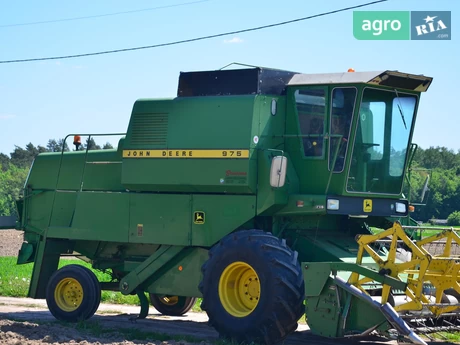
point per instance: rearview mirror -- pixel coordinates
(278, 171)
(425, 188)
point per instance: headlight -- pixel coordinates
(332, 204)
(400, 207)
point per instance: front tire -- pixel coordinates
(253, 288)
(73, 293)
(172, 305)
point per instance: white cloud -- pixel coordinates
(6, 116)
(234, 40)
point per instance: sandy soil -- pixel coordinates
(25, 321)
(28, 321)
(10, 242)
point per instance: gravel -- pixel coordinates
(10, 242)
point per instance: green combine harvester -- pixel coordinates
(258, 190)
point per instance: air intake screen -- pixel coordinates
(149, 129)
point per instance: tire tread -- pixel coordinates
(289, 287)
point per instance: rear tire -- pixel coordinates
(97, 286)
(172, 305)
(253, 288)
(73, 293)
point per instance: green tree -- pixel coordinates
(454, 218)
(56, 146)
(90, 143)
(444, 195)
(4, 162)
(437, 157)
(23, 157)
(11, 184)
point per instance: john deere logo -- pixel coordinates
(198, 217)
(367, 205)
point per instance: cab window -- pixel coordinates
(343, 103)
(311, 110)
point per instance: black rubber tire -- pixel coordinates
(91, 293)
(97, 285)
(282, 289)
(378, 292)
(452, 292)
(183, 305)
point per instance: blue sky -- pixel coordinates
(49, 99)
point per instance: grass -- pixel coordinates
(426, 232)
(453, 337)
(15, 281)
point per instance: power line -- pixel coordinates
(103, 15)
(191, 39)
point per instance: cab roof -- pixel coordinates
(267, 81)
(395, 79)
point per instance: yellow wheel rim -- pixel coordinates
(239, 289)
(169, 300)
(68, 294)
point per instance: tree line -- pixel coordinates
(440, 164)
(442, 199)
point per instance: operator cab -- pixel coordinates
(354, 126)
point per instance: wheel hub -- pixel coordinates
(169, 300)
(239, 289)
(68, 294)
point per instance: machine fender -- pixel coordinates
(25, 253)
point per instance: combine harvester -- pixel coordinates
(257, 190)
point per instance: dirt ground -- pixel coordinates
(25, 321)
(10, 242)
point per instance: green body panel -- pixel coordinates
(182, 282)
(223, 214)
(271, 200)
(332, 311)
(335, 313)
(195, 168)
(160, 216)
(94, 211)
(221, 123)
(148, 267)
(98, 170)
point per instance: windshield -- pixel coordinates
(381, 142)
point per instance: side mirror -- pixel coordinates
(425, 188)
(278, 171)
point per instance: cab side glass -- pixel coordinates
(343, 104)
(311, 109)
